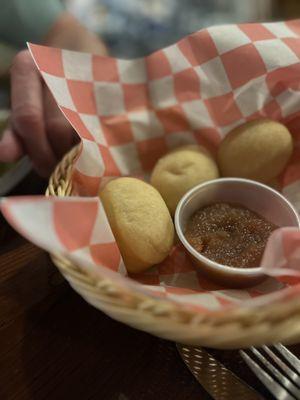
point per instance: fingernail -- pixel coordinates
(5, 137)
(10, 149)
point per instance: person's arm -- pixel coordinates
(38, 127)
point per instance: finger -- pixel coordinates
(59, 131)
(27, 113)
(11, 148)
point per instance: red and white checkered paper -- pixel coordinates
(129, 113)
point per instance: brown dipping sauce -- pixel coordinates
(229, 234)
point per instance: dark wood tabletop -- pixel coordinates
(53, 345)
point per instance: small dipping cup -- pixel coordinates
(263, 200)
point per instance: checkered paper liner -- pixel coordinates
(128, 113)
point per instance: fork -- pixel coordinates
(279, 371)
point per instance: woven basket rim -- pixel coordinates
(241, 326)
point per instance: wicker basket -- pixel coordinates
(276, 322)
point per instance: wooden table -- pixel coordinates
(53, 345)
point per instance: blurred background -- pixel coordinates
(135, 28)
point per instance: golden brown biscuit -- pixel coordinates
(191, 147)
(179, 171)
(140, 221)
(257, 150)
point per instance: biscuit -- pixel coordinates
(140, 222)
(180, 170)
(257, 150)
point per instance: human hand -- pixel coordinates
(37, 126)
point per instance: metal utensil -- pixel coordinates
(257, 197)
(217, 380)
(278, 370)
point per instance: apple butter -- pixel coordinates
(229, 234)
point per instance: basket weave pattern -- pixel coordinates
(276, 322)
